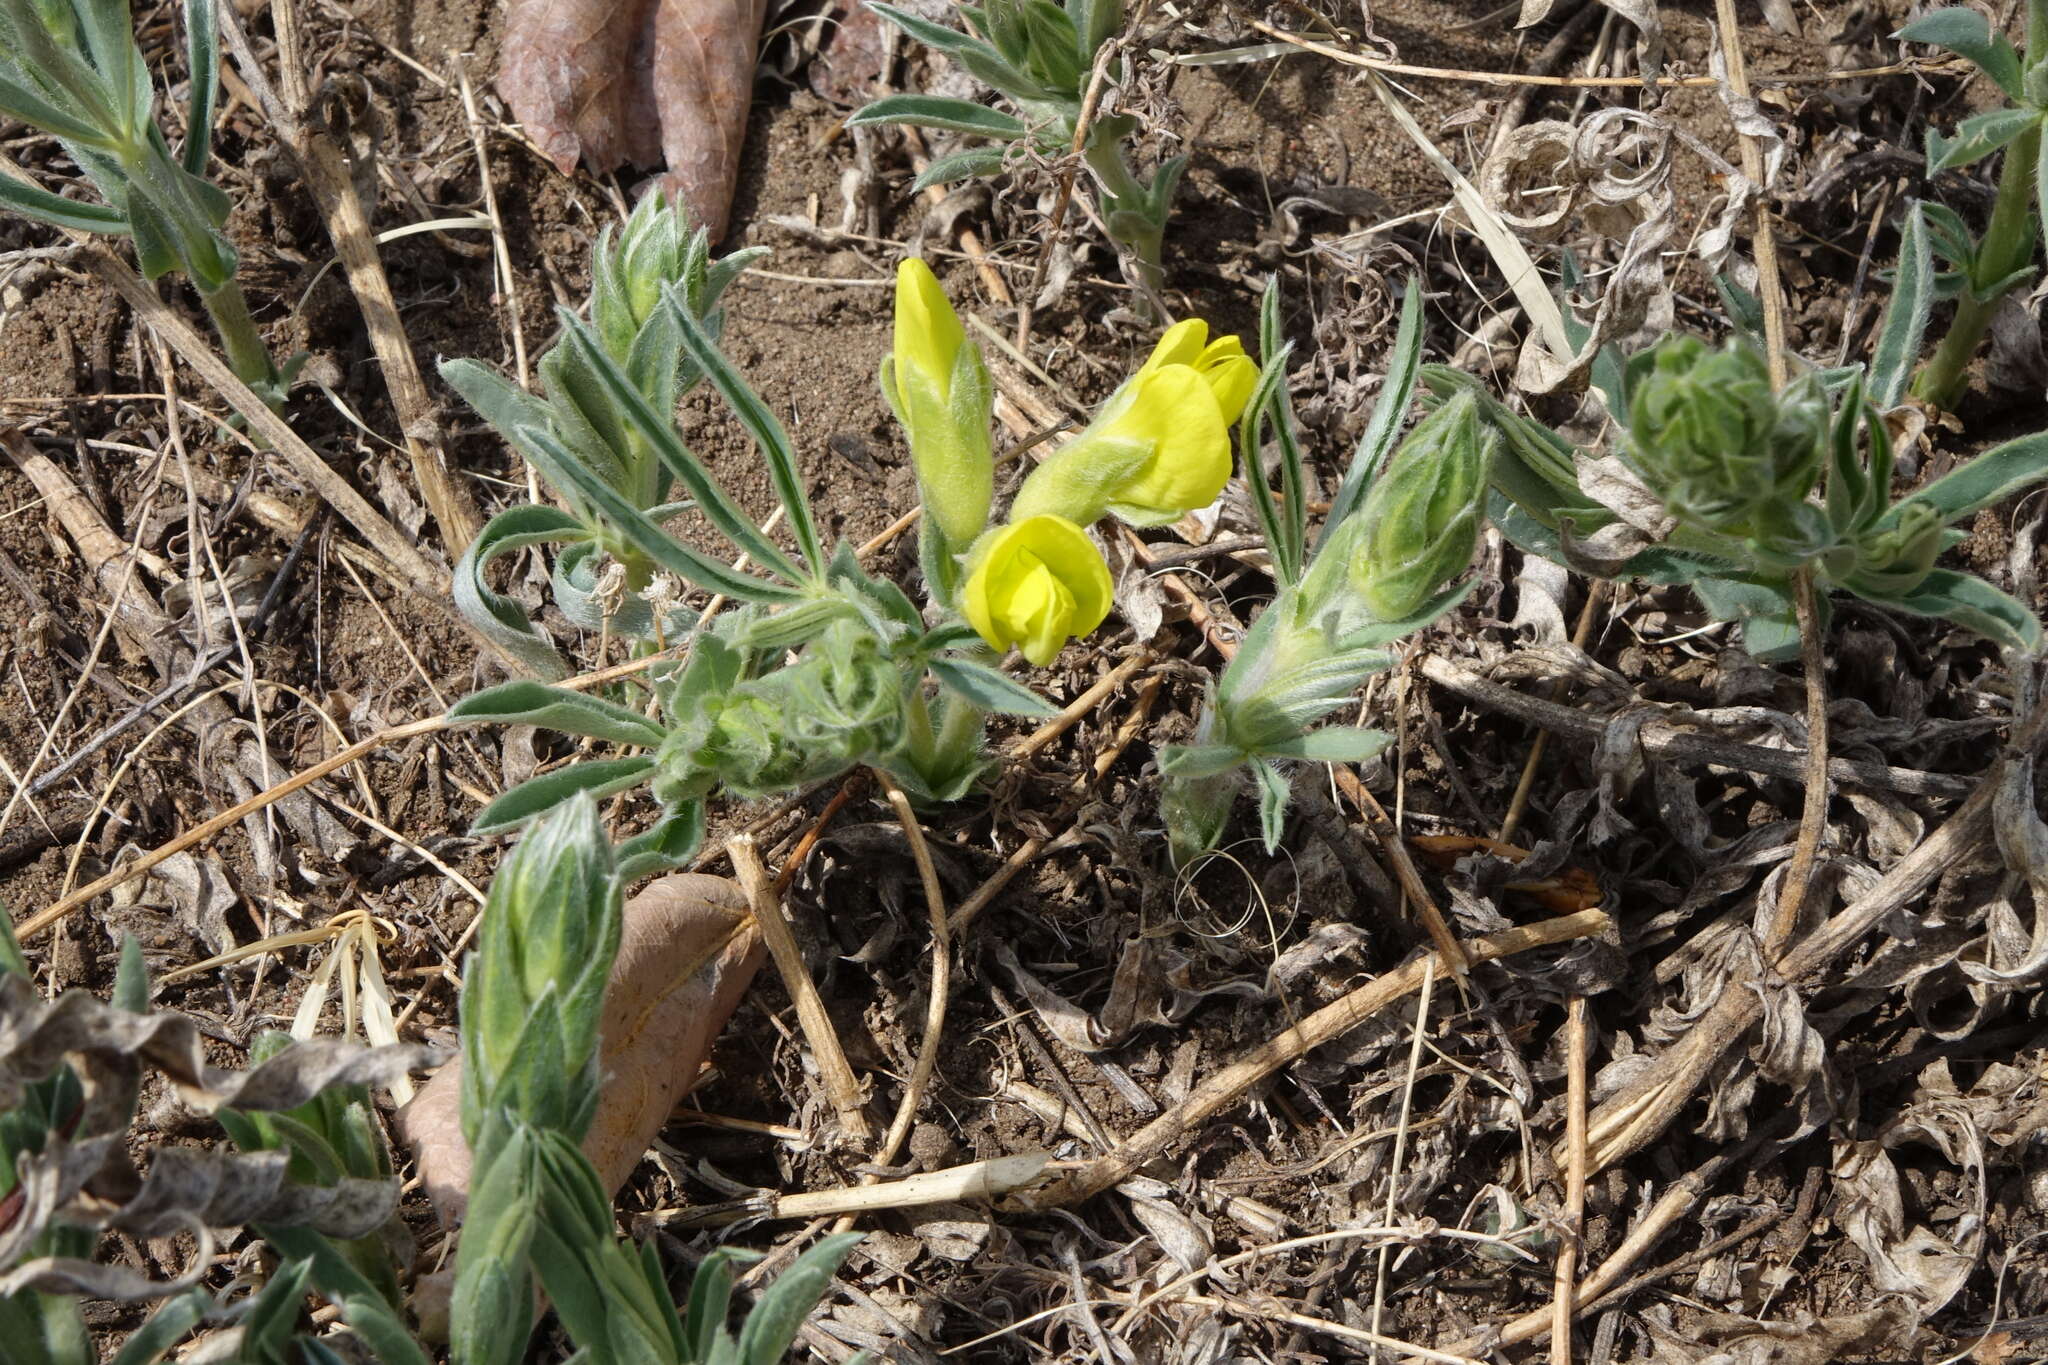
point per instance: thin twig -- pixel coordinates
(1673, 742)
(1770, 285)
(1565, 1282)
(935, 1005)
(333, 184)
(1379, 1283)
(840, 1086)
(1519, 79)
(1582, 633)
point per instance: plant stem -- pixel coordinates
(1813, 815)
(247, 356)
(1128, 198)
(2007, 247)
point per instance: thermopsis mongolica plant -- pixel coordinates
(823, 666)
(1039, 57)
(1731, 489)
(70, 68)
(1394, 537)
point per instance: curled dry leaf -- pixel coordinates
(627, 82)
(38, 1035)
(687, 951)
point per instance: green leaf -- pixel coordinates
(669, 844)
(1905, 316)
(783, 1306)
(44, 207)
(766, 430)
(25, 103)
(1985, 481)
(1977, 137)
(1968, 34)
(1972, 603)
(1337, 744)
(982, 61)
(202, 64)
(170, 1324)
(991, 689)
(660, 434)
(711, 1300)
(1389, 411)
(600, 777)
(1199, 760)
(965, 165)
(1272, 787)
(557, 708)
(497, 616)
(657, 544)
(1278, 409)
(1286, 568)
(932, 111)
(131, 978)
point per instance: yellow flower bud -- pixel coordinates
(1034, 583)
(939, 388)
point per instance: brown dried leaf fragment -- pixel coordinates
(623, 82)
(687, 951)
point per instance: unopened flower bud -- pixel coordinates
(939, 388)
(1894, 561)
(1420, 521)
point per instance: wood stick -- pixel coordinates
(1332, 1021)
(840, 1086)
(1566, 1280)
(328, 176)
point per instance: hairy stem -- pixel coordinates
(1106, 159)
(1813, 816)
(2007, 247)
(247, 356)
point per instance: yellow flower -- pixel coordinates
(939, 388)
(1034, 583)
(1222, 363)
(1160, 446)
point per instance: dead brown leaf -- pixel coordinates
(686, 954)
(629, 82)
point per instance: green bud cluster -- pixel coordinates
(533, 991)
(755, 727)
(1716, 444)
(1419, 523)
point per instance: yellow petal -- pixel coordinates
(1033, 584)
(1182, 344)
(1231, 380)
(1175, 409)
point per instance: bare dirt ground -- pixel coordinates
(1904, 1221)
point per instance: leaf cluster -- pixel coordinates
(1319, 640)
(1039, 57)
(1737, 530)
(602, 436)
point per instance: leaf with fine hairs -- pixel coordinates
(629, 82)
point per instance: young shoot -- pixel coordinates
(1040, 59)
(1985, 269)
(71, 69)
